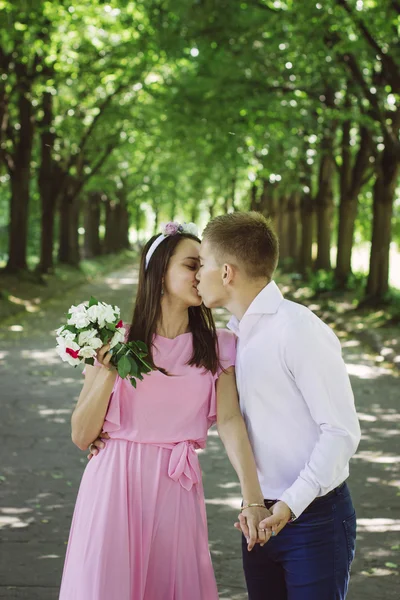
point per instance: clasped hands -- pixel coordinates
(259, 524)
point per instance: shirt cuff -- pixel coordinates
(299, 496)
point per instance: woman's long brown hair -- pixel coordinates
(147, 310)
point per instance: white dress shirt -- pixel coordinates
(296, 399)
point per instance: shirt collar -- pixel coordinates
(266, 302)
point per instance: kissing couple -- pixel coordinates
(277, 387)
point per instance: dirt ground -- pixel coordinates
(40, 469)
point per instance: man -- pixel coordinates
(298, 405)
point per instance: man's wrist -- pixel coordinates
(292, 516)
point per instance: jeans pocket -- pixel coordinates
(350, 528)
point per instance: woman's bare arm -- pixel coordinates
(233, 433)
(88, 417)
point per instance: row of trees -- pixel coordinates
(171, 107)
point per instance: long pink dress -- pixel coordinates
(139, 529)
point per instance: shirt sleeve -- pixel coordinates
(314, 360)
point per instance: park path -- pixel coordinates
(40, 468)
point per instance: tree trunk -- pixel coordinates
(307, 208)
(92, 219)
(75, 245)
(20, 176)
(212, 205)
(384, 190)
(283, 230)
(233, 188)
(307, 215)
(68, 251)
(270, 205)
(122, 221)
(194, 212)
(227, 201)
(293, 228)
(138, 215)
(156, 209)
(47, 175)
(111, 233)
(125, 227)
(347, 219)
(173, 210)
(324, 201)
(64, 227)
(351, 183)
(254, 199)
(261, 202)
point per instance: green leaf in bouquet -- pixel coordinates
(71, 328)
(139, 348)
(111, 327)
(105, 334)
(142, 347)
(133, 382)
(89, 361)
(116, 353)
(145, 365)
(93, 301)
(134, 371)
(124, 367)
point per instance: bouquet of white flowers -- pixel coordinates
(91, 325)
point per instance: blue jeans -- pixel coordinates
(310, 558)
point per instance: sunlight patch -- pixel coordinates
(378, 525)
(366, 372)
(377, 457)
(232, 502)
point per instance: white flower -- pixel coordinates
(61, 349)
(89, 338)
(87, 352)
(117, 311)
(109, 313)
(93, 312)
(119, 336)
(80, 308)
(80, 319)
(191, 228)
(102, 313)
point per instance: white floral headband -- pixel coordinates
(169, 229)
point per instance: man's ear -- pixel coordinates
(228, 274)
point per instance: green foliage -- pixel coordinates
(322, 281)
(174, 109)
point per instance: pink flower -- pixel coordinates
(73, 353)
(171, 228)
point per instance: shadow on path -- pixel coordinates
(41, 469)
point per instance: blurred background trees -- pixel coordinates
(118, 115)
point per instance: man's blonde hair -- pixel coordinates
(245, 237)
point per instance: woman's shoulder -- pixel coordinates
(226, 337)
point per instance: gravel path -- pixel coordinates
(40, 468)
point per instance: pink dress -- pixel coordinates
(139, 530)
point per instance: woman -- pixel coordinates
(139, 529)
